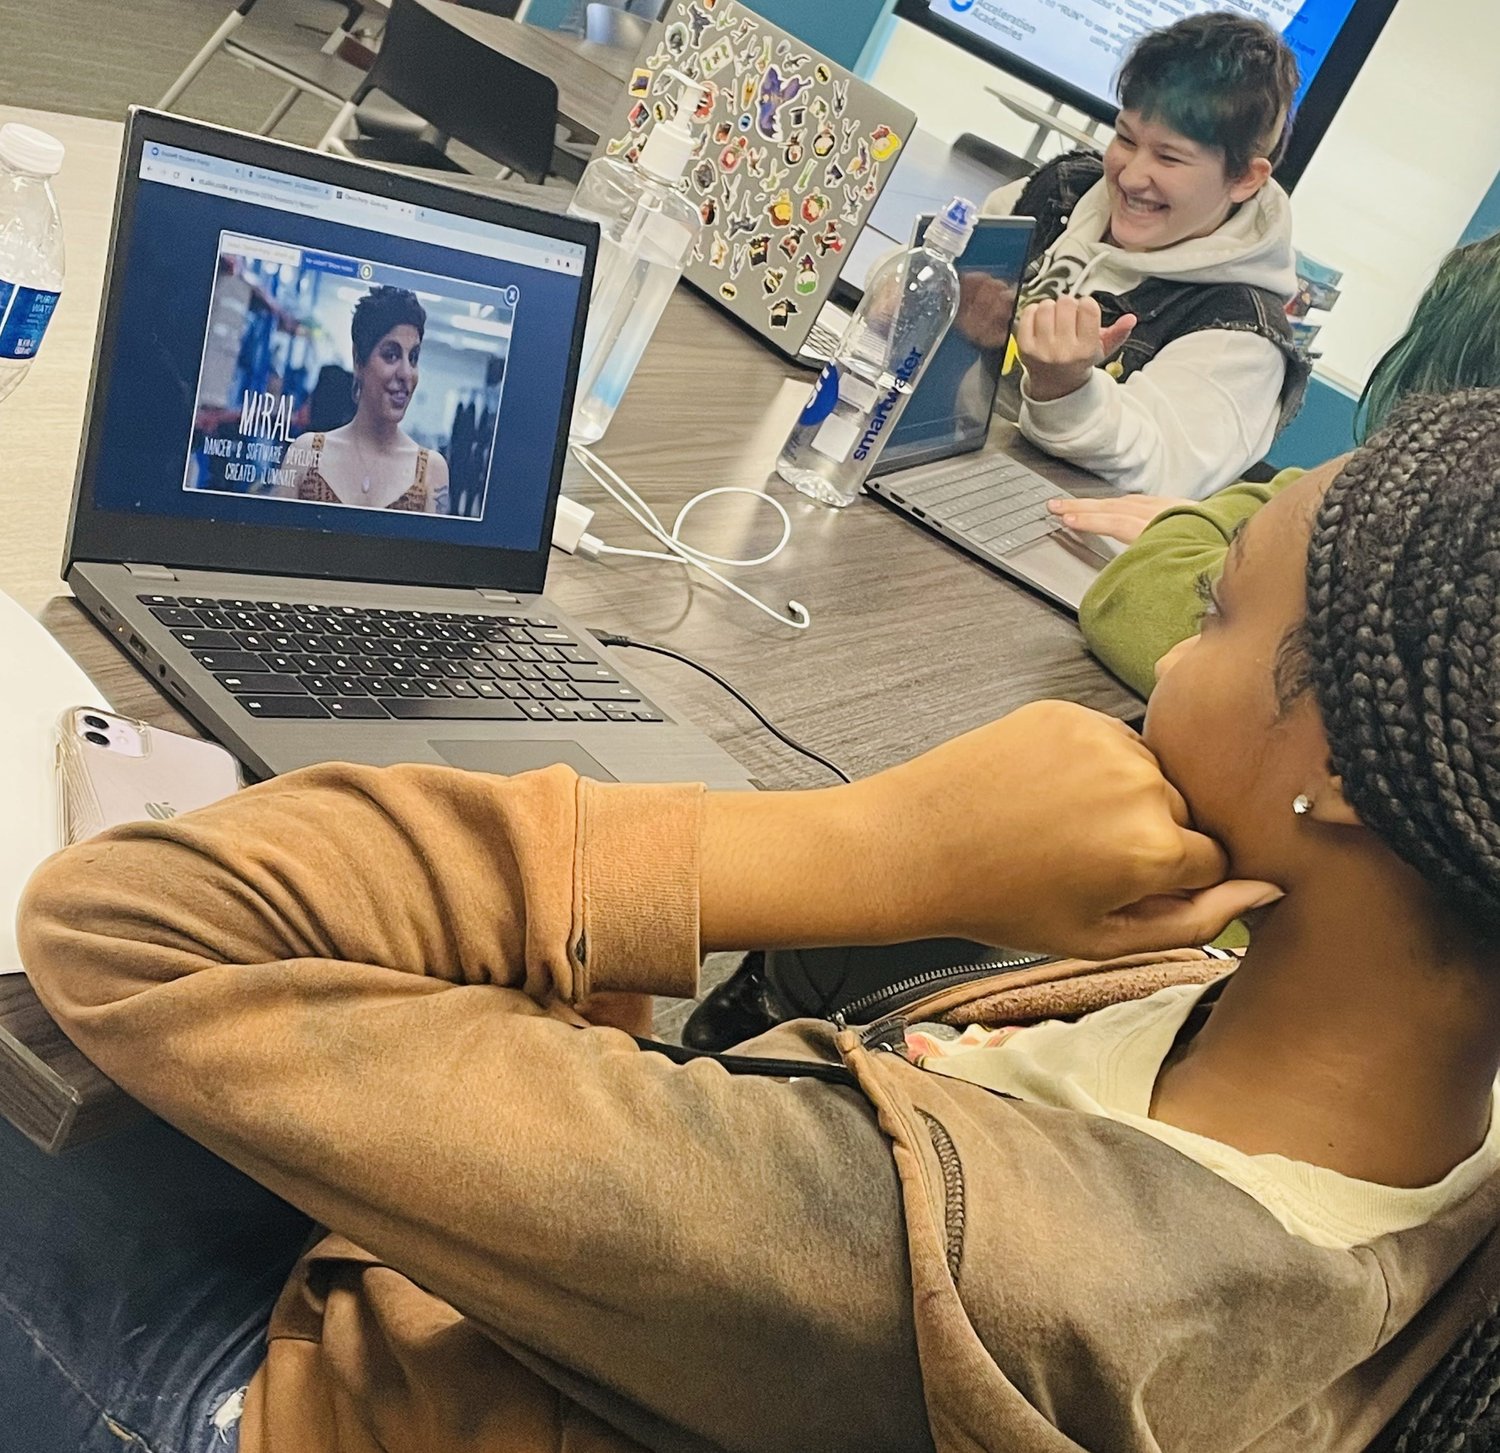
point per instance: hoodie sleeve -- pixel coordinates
(1146, 600)
(1002, 201)
(320, 979)
(1188, 423)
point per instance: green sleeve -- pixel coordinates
(1146, 600)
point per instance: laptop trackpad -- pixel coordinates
(508, 758)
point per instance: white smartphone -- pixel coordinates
(112, 769)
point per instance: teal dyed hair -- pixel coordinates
(1452, 342)
(1222, 80)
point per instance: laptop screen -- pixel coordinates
(949, 413)
(294, 353)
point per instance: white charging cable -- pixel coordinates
(680, 552)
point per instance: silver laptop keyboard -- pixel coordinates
(822, 342)
(353, 663)
(996, 503)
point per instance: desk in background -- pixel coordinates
(910, 643)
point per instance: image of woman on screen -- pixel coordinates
(372, 462)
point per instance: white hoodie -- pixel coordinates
(1206, 406)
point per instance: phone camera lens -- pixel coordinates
(97, 738)
(97, 722)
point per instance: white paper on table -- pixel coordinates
(39, 681)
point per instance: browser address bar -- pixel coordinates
(357, 209)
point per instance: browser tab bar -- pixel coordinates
(305, 196)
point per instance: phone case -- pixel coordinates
(113, 769)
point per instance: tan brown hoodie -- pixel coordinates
(544, 1238)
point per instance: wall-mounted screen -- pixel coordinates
(1073, 48)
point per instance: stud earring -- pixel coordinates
(1302, 804)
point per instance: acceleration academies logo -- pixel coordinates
(961, 5)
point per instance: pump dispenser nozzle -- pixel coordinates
(669, 148)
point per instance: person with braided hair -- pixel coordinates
(1235, 1214)
(1141, 605)
(1363, 772)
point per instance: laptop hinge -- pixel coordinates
(150, 572)
(498, 597)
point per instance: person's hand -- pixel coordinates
(1062, 341)
(986, 307)
(1121, 517)
(1050, 829)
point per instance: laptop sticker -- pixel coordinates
(780, 133)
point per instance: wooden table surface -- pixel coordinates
(910, 642)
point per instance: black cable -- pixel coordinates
(611, 638)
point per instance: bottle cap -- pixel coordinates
(951, 229)
(669, 148)
(25, 149)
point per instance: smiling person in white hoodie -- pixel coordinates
(1152, 323)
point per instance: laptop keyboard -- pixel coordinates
(997, 503)
(822, 342)
(360, 664)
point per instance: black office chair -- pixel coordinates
(380, 118)
(466, 91)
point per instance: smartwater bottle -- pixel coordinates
(909, 304)
(31, 246)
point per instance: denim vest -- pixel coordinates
(1165, 310)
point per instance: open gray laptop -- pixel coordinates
(932, 469)
(325, 439)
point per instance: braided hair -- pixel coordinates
(1402, 646)
(1402, 640)
(1457, 1409)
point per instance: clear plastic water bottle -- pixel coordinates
(647, 227)
(31, 246)
(909, 304)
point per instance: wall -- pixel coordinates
(1325, 427)
(550, 13)
(1486, 220)
(945, 86)
(838, 28)
(1405, 166)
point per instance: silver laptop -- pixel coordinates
(325, 439)
(987, 503)
(930, 173)
(793, 153)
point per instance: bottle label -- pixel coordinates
(837, 432)
(24, 315)
(884, 410)
(836, 437)
(825, 397)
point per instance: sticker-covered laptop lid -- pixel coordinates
(792, 153)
